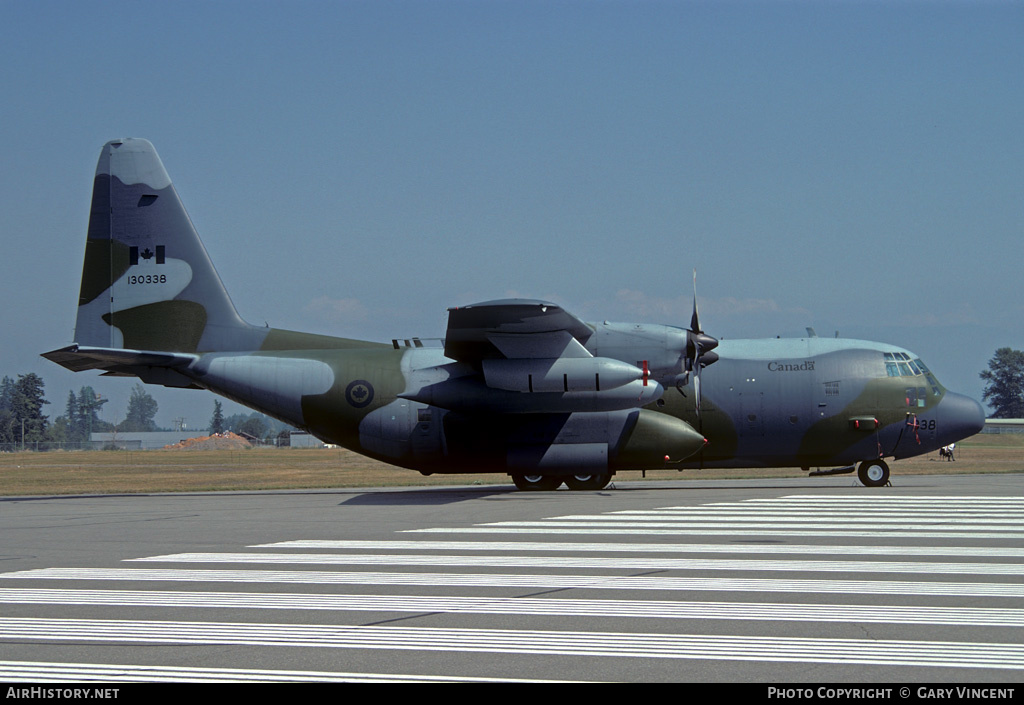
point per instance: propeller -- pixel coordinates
(699, 346)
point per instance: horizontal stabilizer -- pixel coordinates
(79, 357)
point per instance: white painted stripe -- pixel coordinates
(655, 609)
(811, 515)
(874, 498)
(596, 547)
(945, 654)
(396, 559)
(607, 582)
(865, 514)
(48, 672)
(598, 528)
(762, 522)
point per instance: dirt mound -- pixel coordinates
(218, 441)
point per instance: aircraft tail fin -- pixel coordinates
(147, 281)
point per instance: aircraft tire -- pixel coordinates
(873, 473)
(537, 483)
(597, 481)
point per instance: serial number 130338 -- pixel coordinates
(147, 279)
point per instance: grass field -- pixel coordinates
(115, 472)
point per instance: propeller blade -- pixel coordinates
(699, 347)
(695, 318)
(696, 389)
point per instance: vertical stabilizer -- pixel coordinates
(147, 282)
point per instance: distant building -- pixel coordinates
(158, 439)
(143, 440)
(303, 439)
(1003, 426)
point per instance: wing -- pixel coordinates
(525, 356)
(514, 328)
(525, 388)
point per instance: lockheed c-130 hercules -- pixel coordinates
(519, 386)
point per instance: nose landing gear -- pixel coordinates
(873, 473)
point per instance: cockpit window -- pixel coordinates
(900, 364)
(928, 376)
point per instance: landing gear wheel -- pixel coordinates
(873, 473)
(537, 483)
(588, 482)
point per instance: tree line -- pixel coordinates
(23, 421)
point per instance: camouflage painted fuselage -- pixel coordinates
(766, 403)
(519, 386)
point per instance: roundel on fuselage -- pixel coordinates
(359, 393)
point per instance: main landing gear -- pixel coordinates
(537, 483)
(546, 483)
(588, 482)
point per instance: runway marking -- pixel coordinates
(881, 550)
(655, 609)
(794, 515)
(529, 642)
(779, 565)
(868, 508)
(886, 519)
(509, 580)
(709, 523)
(632, 529)
(887, 499)
(41, 671)
(813, 517)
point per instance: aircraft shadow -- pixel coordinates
(421, 496)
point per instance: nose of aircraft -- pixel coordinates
(959, 417)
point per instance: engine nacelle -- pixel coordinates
(471, 394)
(583, 374)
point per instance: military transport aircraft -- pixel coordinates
(518, 386)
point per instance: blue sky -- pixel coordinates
(355, 168)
